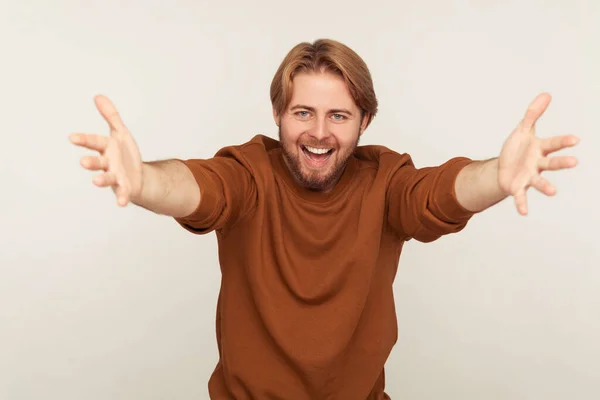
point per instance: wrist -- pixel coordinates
(477, 185)
(138, 193)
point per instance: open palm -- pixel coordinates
(119, 156)
(524, 156)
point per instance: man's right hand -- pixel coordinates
(119, 156)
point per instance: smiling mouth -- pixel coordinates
(316, 157)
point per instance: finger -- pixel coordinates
(109, 113)
(521, 202)
(535, 110)
(557, 143)
(557, 163)
(544, 186)
(122, 195)
(90, 141)
(106, 179)
(520, 182)
(122, 201)
(94, 163)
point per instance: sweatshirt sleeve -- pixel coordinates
(422, 202)
(227, 191)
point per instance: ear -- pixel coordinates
(364, 123)
(276, 117)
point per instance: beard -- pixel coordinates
(318, 181)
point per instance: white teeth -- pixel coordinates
(316, 151)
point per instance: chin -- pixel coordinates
(318, 181)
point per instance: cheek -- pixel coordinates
(346, 142)
(292, 130)
(346, 139)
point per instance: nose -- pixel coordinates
(320, 130)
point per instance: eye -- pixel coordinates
(302, 114)
(339, 117)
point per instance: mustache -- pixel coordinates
(319, 143)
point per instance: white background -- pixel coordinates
(99, 302)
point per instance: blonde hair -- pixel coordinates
(325, 55)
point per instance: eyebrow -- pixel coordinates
(334, 111)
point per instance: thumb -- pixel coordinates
(109, 112)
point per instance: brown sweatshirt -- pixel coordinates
(306, 308)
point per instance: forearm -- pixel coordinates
(168, 188)
(477, 186)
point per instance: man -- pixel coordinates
(311, 227)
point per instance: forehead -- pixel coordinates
(321, 90)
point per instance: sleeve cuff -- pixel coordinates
(208, 205)
(447, 204)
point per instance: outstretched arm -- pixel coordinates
(522, 159)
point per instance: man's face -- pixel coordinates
(319, 130)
